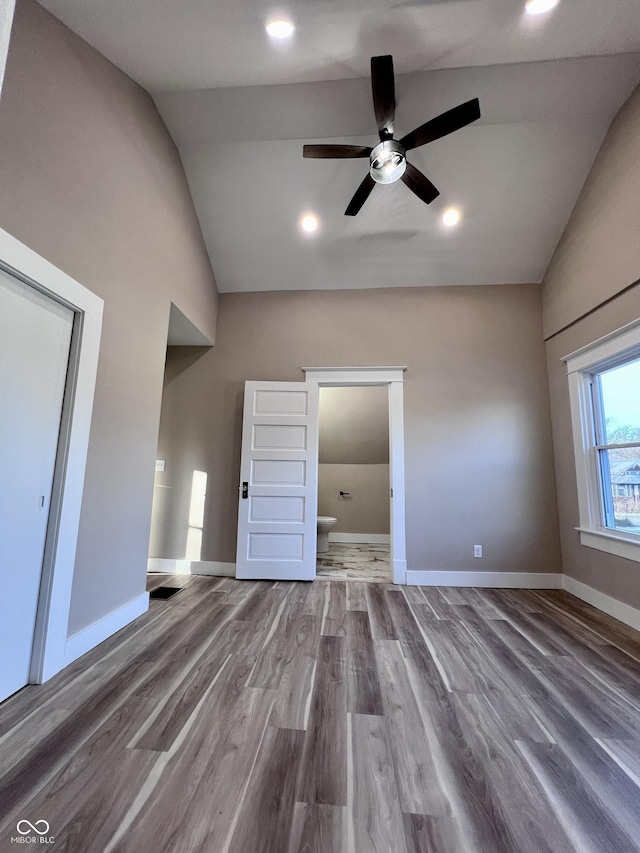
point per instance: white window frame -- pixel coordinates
(607, 352)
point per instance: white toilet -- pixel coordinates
(325, 524)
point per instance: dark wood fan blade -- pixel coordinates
(384, 94)
(361, 195)
(448, 122)
(420, 184)
(335, 152)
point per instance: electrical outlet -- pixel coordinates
(159, 464)
(477, 550)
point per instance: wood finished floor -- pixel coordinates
(241, 717)
(355, 562)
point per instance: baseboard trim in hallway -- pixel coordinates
(94, 634)
(210, 568)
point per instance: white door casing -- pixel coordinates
(277, 505)
(50, 638)
(35, 340)
(393, 378)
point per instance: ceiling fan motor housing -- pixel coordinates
(387, 161)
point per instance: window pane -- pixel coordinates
(620, 395)
(621, 483)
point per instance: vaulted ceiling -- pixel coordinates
(240, 109)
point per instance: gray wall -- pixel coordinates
(598, 255)
(599, 252)
(479, 467)
(7, 8)
(354, 425)
(354, 457)
(92, 181)
(367, 509)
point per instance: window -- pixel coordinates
(604, 385)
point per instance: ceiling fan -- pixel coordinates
(387, 161)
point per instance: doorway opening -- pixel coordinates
(278, 492)
(392, 380)
(180, 487)
(354, 532)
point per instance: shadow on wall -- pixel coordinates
(181, 359)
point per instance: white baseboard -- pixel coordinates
(191, 567)
(496, 580)
(361, 538)
(618, 609)
(530, 580)
(93, 635)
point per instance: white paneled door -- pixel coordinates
(277, 507)
(35, 336)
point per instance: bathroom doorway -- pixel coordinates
(354, 484)
(392, 379)
(277, 495)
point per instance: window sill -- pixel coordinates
(611, 542)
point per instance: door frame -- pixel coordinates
(393, 378)
(52, 620)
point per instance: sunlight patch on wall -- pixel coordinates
(196, 516)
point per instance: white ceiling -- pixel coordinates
(515, 174)
(195, 44)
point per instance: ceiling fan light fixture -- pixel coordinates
(280, 28)
(539, 7)
(387, 162)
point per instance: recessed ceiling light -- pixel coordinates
(538, 7)
(451, 217)
(279, 28)
(309, 223)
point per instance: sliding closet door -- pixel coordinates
(35, 337)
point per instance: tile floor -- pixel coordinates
(355, 562)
